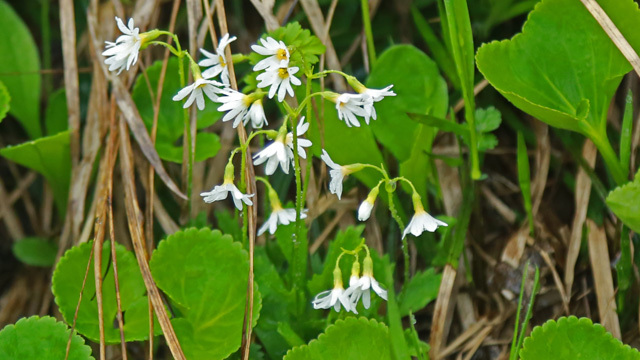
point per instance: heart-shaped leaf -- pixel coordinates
(22, 68)
(419, 291)
(571, 338)
(43, 338)
(563, 69)
(35, 251)
(205, 274)
(67, 282)
(351, 338)
(50, 157)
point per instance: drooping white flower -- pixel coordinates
(280, 151)
(351, 105)
(237, 106)
(421, 220)
(377, 94)
(359, 287)
(279, 54)
(280, 217)
(123, 53)
(210, 87)
(338, 173)
(334, 297)
(220, 192)
(301, 129)
(364, 211)
(217, 62)
(280, 80)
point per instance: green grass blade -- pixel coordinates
(625, 134)
(524, 178)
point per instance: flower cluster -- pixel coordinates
(360, 286)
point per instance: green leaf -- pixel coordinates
(171, 114)
(563, 69)
(35, 251)
(5, 99)
(524, 179)
(420, 89)
(37, 338)
(205, 275)
(50, 157)
(625, 133)
(20, 62)
(351, 338)
(56, 118)
(624, 201)
(572, 338)
(419, 291)
(67, 283)
(304, 48)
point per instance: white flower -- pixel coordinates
(351, 105)
(301, 129)
(220, 192)
(281, 78)
(379, 94)
(237, 104)
(420, 222)
(280, 151)
(280, 216)
(256, 114)
(217, 61)
(209, 87)
(334, 297)
(124, 52)
(360, 287)
(364, 211)
(337, 174)
(278, 51)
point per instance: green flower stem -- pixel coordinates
(254, 134)
(327, 72)
(610, 158)
(407, 181)
(366, 20)
(305, 102)
(173, 50)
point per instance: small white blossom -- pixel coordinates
(280, 216)
(337, 173)
(420, 222)
(351, 105)
(209, 87)
(217, 62)
(359, 287)
(334, 297)
(220, 192)
(279, 54)
(280, 151)
(364, 211)
(237, 106)
(280, 80)
(379, 94)
(123, 53)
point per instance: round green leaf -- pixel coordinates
(56, 117)
(43, 338)
(205, 274)
(67, 282)
(352, 338)
(571, 338)
(563, 69)
(35, 251)
(624, 201)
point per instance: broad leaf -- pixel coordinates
(563, 69)
(35, 251)
(420, 89)
(55, 117)
(171, 115)
(205, 274)
(624, 201)
(21, 64)
(572, 338)
(43, 338)
(5, 99)
(50, 157)
(419, 291)
(67, 283)
(352, 338)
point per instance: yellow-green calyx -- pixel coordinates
(355, 84)
(373, 194)
(195, 69)
(417, 203)
(337, 278)
(351, 168)
(229, 173)
(271, 134)
(147, 37)
(274, 200)
(355, 269)
(367, 266)
(331, 96)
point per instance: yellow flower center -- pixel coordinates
(281, 54)
(222, 62)
(283, 73)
